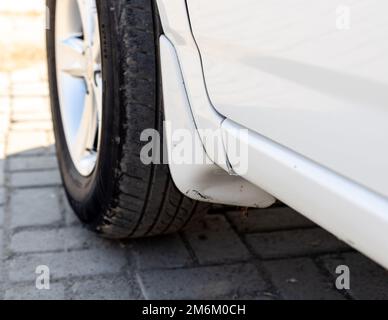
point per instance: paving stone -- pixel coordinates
(32, 163)
(2, 196)
(2, 151)
(1, 216)
(71, 218)
(5, 103)
(117, 288)
(31, 116)
(34, 207)
(1, 249)
(34, 73)
(30, 89)
(5, 111)
(216, 282)
(93, 262)
(294, 243)
(21, 6)
(51, 140)
(30, 292)
(2, 173)
(31, 125)
(214, 241)
(27, 143)
(56, 239)
(368, 281)
(35, 179)
(272, 219)
(30, 108)
(2, 265)
(160, 252)
(4, 85)
(50, 150)
(4, 120)
(300, 279)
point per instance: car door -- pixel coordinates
(309, 75)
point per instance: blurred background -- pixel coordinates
(22, 34)
(260, 254)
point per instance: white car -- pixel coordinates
(160, 107)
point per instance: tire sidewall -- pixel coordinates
(88, 194)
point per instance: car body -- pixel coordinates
(313, 97)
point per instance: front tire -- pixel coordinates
(120, 197)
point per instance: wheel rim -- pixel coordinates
(79, 80)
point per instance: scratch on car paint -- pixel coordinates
(201, 195)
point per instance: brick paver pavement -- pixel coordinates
(268, 254)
